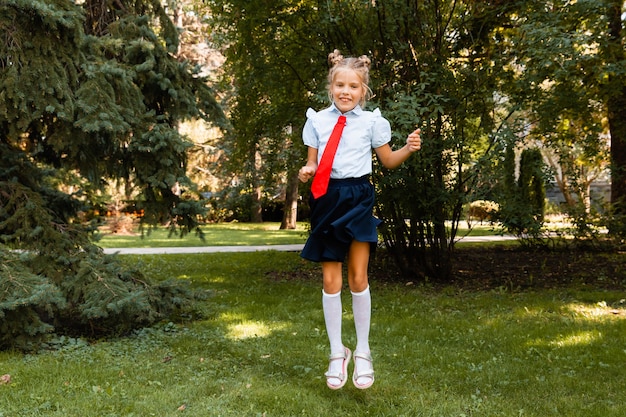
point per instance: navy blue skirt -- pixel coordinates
(342, 215)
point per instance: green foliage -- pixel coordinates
(477, 77)
(94, 94)
(570, 79)
(272, 72)
(483, 210)
(423, 75)
(63, 282)
(432, 82)
(531, 182)
(24, 297)
(523, 204)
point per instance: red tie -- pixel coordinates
(322, 176)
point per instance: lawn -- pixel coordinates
(261, 350)
(223, 234)
(233, 234)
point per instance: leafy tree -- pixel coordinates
(523, 207)
(274, 62)
(613, 83)
(433, 67)
(93, 92)
(479, 77)
(569, 74)
(437, 67)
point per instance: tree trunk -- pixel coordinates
(616, 107)
(290, 211)
(256, 211)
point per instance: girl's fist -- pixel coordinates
(414, 141)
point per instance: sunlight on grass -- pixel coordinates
(577, 339)
(240, 328)
(248, 330)
(598, 312)
(252, 329)
(235, 234)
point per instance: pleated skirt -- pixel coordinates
(343, 214)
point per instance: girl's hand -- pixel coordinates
(305, 173)
(414, 141)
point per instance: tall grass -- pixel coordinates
(261, 350)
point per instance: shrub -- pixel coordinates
(483, 210)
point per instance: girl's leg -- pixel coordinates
(362, 310)
(358, 260)
(331, 303)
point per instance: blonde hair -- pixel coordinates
(360, 65)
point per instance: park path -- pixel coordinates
(258, 248)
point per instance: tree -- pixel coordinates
(437, 67)
(614, 92)
(93, 93)
(523, 206)
(273, 65)
(479, 77)
(569, 75)
(433, 67)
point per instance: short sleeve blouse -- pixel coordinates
(364, 131)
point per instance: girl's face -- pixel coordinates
(347, 90)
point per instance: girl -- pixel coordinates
(342, 221)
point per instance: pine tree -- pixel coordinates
(91, 91)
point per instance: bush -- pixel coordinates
(54, 279)
(483, 210)
(523, 204)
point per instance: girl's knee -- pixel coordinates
(332, 277)
(358, 284)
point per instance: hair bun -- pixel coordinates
(335, 58)
(365, 60)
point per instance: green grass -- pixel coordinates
(235, 234)
(223, 234)
(262, 349)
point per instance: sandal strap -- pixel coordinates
(339, 375)
(368, 357)
(369, 373)
(335, 356)
(363, 355)
(342, 374)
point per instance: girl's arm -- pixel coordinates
(392, 159)
(307, 171)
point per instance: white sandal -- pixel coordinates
(343, 375)
(369, 373)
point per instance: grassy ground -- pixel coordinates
(227, 234)
(261, 351)
(233, 234)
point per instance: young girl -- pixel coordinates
(342, 221)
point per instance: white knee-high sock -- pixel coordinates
(331, 304)
(362, 310)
